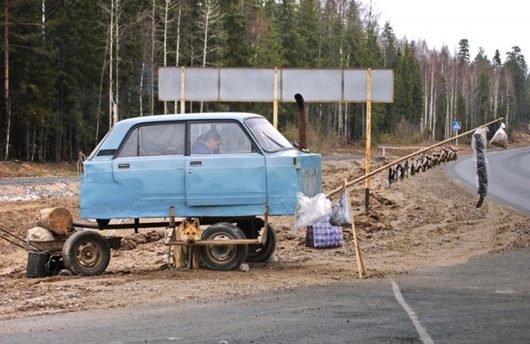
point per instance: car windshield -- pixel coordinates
(268, 137)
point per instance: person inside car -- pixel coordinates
(209, 143)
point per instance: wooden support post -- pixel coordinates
(182, 91)
(358, 255)
(136, 225)
(368, 153)
(276, 100)
(172, 217)
(262, 237)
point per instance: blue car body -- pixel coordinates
(146, 165)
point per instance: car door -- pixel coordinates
(149, 168)
(233, 173)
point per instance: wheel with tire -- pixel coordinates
(259, 252)
(223, 257)
(86, 253)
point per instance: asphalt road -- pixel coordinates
(508, 176)
(486, 300)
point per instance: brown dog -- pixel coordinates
(188, 232)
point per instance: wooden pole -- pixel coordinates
(276, 100)
(182, 90)
(358, 255)
(368, 152)
(367, 175)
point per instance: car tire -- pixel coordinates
(259, 252)
(86, 253)
(223, 257)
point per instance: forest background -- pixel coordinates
(71, 68)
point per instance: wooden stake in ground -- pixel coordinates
(56, 220)
(358, 255)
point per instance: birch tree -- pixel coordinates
(211, 32)
(7, 99)
(168, 19)
(495, 84)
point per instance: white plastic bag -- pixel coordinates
(500, 138)
(309, 209)
(340, 214)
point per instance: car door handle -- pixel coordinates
(123, 166)
(195, 163)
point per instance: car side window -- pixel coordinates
(218, 138)
(154, 140)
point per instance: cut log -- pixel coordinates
(57, 220)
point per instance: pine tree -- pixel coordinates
(269, 50)
(372, 54)
(308, 33)
(353, 37)
(388, 41)
(482, 95)
(516, 65)
(237, 18)
(291, 41)
(463, 51)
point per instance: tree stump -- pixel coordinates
(56, 220)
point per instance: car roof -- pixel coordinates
(121, 128)
(187, 116)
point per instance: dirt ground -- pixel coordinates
(424, 220)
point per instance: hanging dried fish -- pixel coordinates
(478, 144)
(390, 176)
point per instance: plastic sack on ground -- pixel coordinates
(309, 209)
(500, 138)
(340, 214)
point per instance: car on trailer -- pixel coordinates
(146, 166)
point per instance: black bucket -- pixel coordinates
(37, 264)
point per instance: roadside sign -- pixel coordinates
(457, 125)
(269, 84)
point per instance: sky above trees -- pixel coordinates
(484, 23)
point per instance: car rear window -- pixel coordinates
(156, 139)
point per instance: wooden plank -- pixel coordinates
(214, 242)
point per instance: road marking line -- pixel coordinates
(424, 336)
